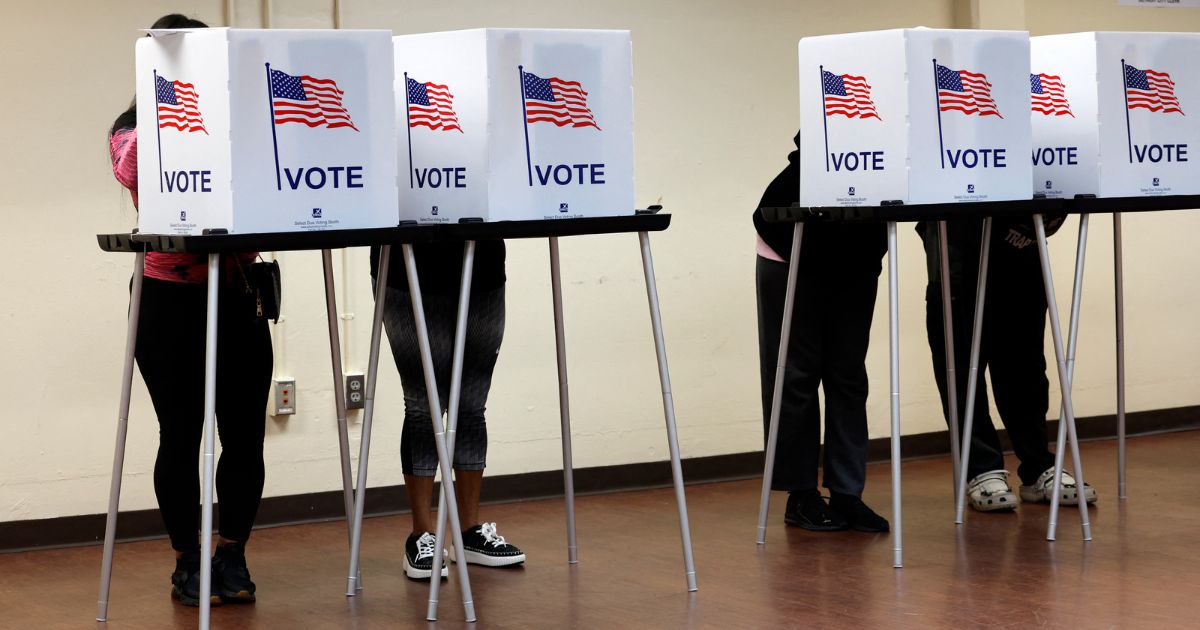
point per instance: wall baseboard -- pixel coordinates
(88, 529)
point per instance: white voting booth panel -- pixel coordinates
(1116, 114)
(265, 131)
(914, 115)
(527, 124)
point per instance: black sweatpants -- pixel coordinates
(170, 354)
(1011, 346)
(831, 328)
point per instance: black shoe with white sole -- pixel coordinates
(482, 545)
(418, 556)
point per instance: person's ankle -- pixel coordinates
(842, 497)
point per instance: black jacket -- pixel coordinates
(839, 248)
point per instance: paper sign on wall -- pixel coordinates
(1159, 3)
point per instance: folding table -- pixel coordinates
(1084, 206)
(213, 246)
(406, 235)
(892, 213)
(468, 233)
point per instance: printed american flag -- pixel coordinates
(557, 101)
(431, 105)
(308, 100)
(1048, 95)
(965, 91)
(178, 105)
(847, 95)
(1150, 89)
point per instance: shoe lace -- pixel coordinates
(488, 530)
(425, 546)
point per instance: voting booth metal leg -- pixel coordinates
(1064, 379)
(948, 333)
(664, 377)
(985, 250)
(364, 449)
(460, 341)
(1119, 286)
(439, 431)
(339, 398)
(564, 401)
(1072, 344)
(210, 436)
(785, 333)
(114, 490)
(894, 373)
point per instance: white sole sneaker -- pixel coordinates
(483, 559)
(422, 574)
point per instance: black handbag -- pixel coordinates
(264, 284)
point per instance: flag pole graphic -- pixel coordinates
(408, 119)
(824, 117)
(1125, 91)
(274, 139)
(937, 103)
(525, 119)
(158, 129)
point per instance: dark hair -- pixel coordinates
(128, 118)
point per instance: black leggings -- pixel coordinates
(485, 331)
(170, 356)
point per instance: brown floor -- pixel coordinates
(996, 571)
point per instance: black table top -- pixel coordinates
(643, 221)
(947, 211)
(1096, 205)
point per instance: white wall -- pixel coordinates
(706, 158)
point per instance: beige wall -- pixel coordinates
(62, 302)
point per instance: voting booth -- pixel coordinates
(1116, 114)
(919, 116)
(265, 131)
(501, 124)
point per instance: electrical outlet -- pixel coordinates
(356, 391)
(283, 397)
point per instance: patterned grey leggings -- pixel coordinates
(485, 331)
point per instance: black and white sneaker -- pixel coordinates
(482, 545)
(418, 556)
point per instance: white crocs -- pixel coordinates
(1042, 490)
(990, 492)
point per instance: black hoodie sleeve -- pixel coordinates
(839, 249)
(783, 191)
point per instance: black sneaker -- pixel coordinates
(418, 556)
(857, 514)
(185, 581)
(482, 545)
(231, 576)
(807, 509)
